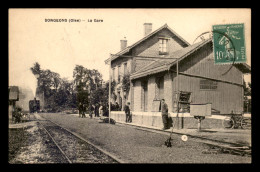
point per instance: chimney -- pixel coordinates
(123, 43)
(147, 28)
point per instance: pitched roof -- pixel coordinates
(13, 93)
(164, 64)
(243, 67)
(161, 65)
(127, 49)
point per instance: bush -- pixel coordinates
(126, 83)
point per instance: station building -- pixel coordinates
(152, 64)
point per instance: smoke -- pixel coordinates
(25, 95)
(32, 83)
(27, 84)
(28, 81)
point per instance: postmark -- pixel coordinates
(229, 44)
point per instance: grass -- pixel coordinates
(17, 138)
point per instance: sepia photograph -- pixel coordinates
(129, 86)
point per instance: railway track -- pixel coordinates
(222, 146)
(73, 147)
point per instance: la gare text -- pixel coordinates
(72, 20)
(95, 20)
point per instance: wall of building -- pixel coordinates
(202, 63)
(137, 96)
(151, 86)
(151, 92)
(154, 120)
(168, 91)
(115, 64)
(226, 97)
(120, 62)
(150, 47)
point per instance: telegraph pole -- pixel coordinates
(109, 94)
(178, 94)
(43, 101)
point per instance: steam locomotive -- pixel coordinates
(34, 105)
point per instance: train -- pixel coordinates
(34, 106)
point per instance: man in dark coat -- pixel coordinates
(127, 113)
(83, 111)
(80, 109)
(164, 110)
(120, 104)
(96, 111)
(117, 107)
(92, 109)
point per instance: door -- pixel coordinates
(145, 96)
(161, 88)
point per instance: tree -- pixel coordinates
(112, 90)
(36, 69)
(66, 90)
(58, 93)
(81, 77)
(88, 84)
(126, 83)
(48, 81)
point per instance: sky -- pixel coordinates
(59, 46)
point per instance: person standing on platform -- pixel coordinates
(127, 113)
(92, 110)
(83, 111)
(117, 107)
(164, 110)
(80, 109)
(96, 110)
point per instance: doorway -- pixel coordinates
(145, 96)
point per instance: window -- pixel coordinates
(144, 96)
(163, 46)
(206, 84)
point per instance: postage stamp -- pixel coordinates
(229, 44)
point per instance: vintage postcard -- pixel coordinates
(110, 86)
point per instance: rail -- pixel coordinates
(79, 137)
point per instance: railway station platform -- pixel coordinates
(240, 136)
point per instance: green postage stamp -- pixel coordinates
(229, 44)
